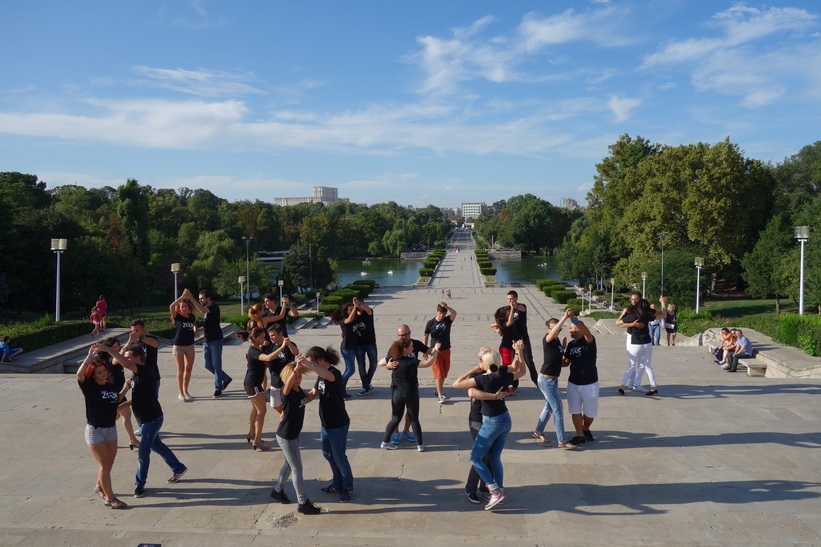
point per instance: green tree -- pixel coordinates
(132, 208)
(762, 265)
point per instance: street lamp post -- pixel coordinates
(59, 247)
(241, 280)
(175, 269)
(318, 296)
(662, 236)
(248, 240)
(802, 234)
(613, 291)
(280, 282)
(590, 300)
(699, 265)
(644, 284)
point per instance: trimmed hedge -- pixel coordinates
(803, 331)
(369, 282)
(484, 263)
(332, 300)
(562, 296)
(487, 271)
(425, 272)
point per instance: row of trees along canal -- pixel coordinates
(710, 201)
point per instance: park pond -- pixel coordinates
(395, 272)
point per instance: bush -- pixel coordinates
(487, 271)
(574, 303)
(360, 290)
(562, 296)
(369, 282)
(332, 300)
(425, 272)
(484, 263)
(327, 309)
(803, 331)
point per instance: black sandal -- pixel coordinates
(653, 391)
(114, 503)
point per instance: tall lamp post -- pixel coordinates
(59, 247)
(280, 282)
(241, 280)
(613, 291)
(699, 265)
(590, 300)
(247, 240)
(318, 296)
(802, 234)
(175, 269)
(662, 236)
(644, 284)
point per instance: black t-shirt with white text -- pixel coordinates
(439, 331)
(582, 355)
(332, 413)
(101, 402)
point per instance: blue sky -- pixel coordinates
(416, 102)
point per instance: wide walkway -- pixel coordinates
(716, 459)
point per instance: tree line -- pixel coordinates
(699, 200)
(122, 241)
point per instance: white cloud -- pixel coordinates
(621, 107)
(757, 54)
(468, 55)
(202, 83)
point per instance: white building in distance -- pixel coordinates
(471, 211)
(326, 195)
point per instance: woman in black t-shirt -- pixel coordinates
(183, 344)
(254, 384)
(345, 317)
(491, 388)
(117, 373)
(639, 344)
(290, 426)
(101, 401)
(406, 391)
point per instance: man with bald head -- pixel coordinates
(403, 332)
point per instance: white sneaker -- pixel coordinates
(181, 397)
(388, 446)
(441, 399)
(420, 447)
(496, 498)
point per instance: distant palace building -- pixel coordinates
(471, 211)
(322, 194)
(569, 204)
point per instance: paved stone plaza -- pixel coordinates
(715, 459)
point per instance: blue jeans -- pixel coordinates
(491, 441)
(151, 441)
(334, 443)
(349, 355)
(552, 405)
(655, 334)
(367, 375)
(212, 352)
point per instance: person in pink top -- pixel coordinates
(102, 309)
(95, 319)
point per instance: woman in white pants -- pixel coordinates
(636, 320)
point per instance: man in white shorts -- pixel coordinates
(583, 383)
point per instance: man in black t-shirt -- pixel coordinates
(437, 330)
(518, 320)
(149, 344)
(403, 331)
(212, 347)
(279, 313)
(583, 384)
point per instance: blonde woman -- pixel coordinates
(183, 344)
(290, 426)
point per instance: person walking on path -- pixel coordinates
(405, 376)
(185, 323)
(95, 320)
(491, 388)
(101, 401)
(212, 348)
(333, 433)
(670, 325)
(438, 330)
(548, 382)
(149, 414)
(290, 426)
(518, 320)
(102, 309)
(583, 384)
